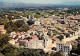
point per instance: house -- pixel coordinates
(12, 42)
(64, 47)
(2, 30)
(33, 43)
(13, 34)
(23, 42)
(48, 43)
(36, 44)
(14, 20)
(37, 23)
(34, 37)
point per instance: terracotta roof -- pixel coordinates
(18, 33)
(35, 36)
(54, 38)
(23, 40)
(61, 32)
(21, 33)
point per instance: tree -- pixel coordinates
(54, 32)
(9, 50)
(24, 28)
(76, 50)
(9, 29)
(56, 54)
(1, 54)
(16, 26)
(4, 39)
(19, 23)
(37, 15)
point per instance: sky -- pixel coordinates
(43, 1)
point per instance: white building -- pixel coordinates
(64, 47)
(32, 44)
(48, 43)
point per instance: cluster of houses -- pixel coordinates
(41, 35)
